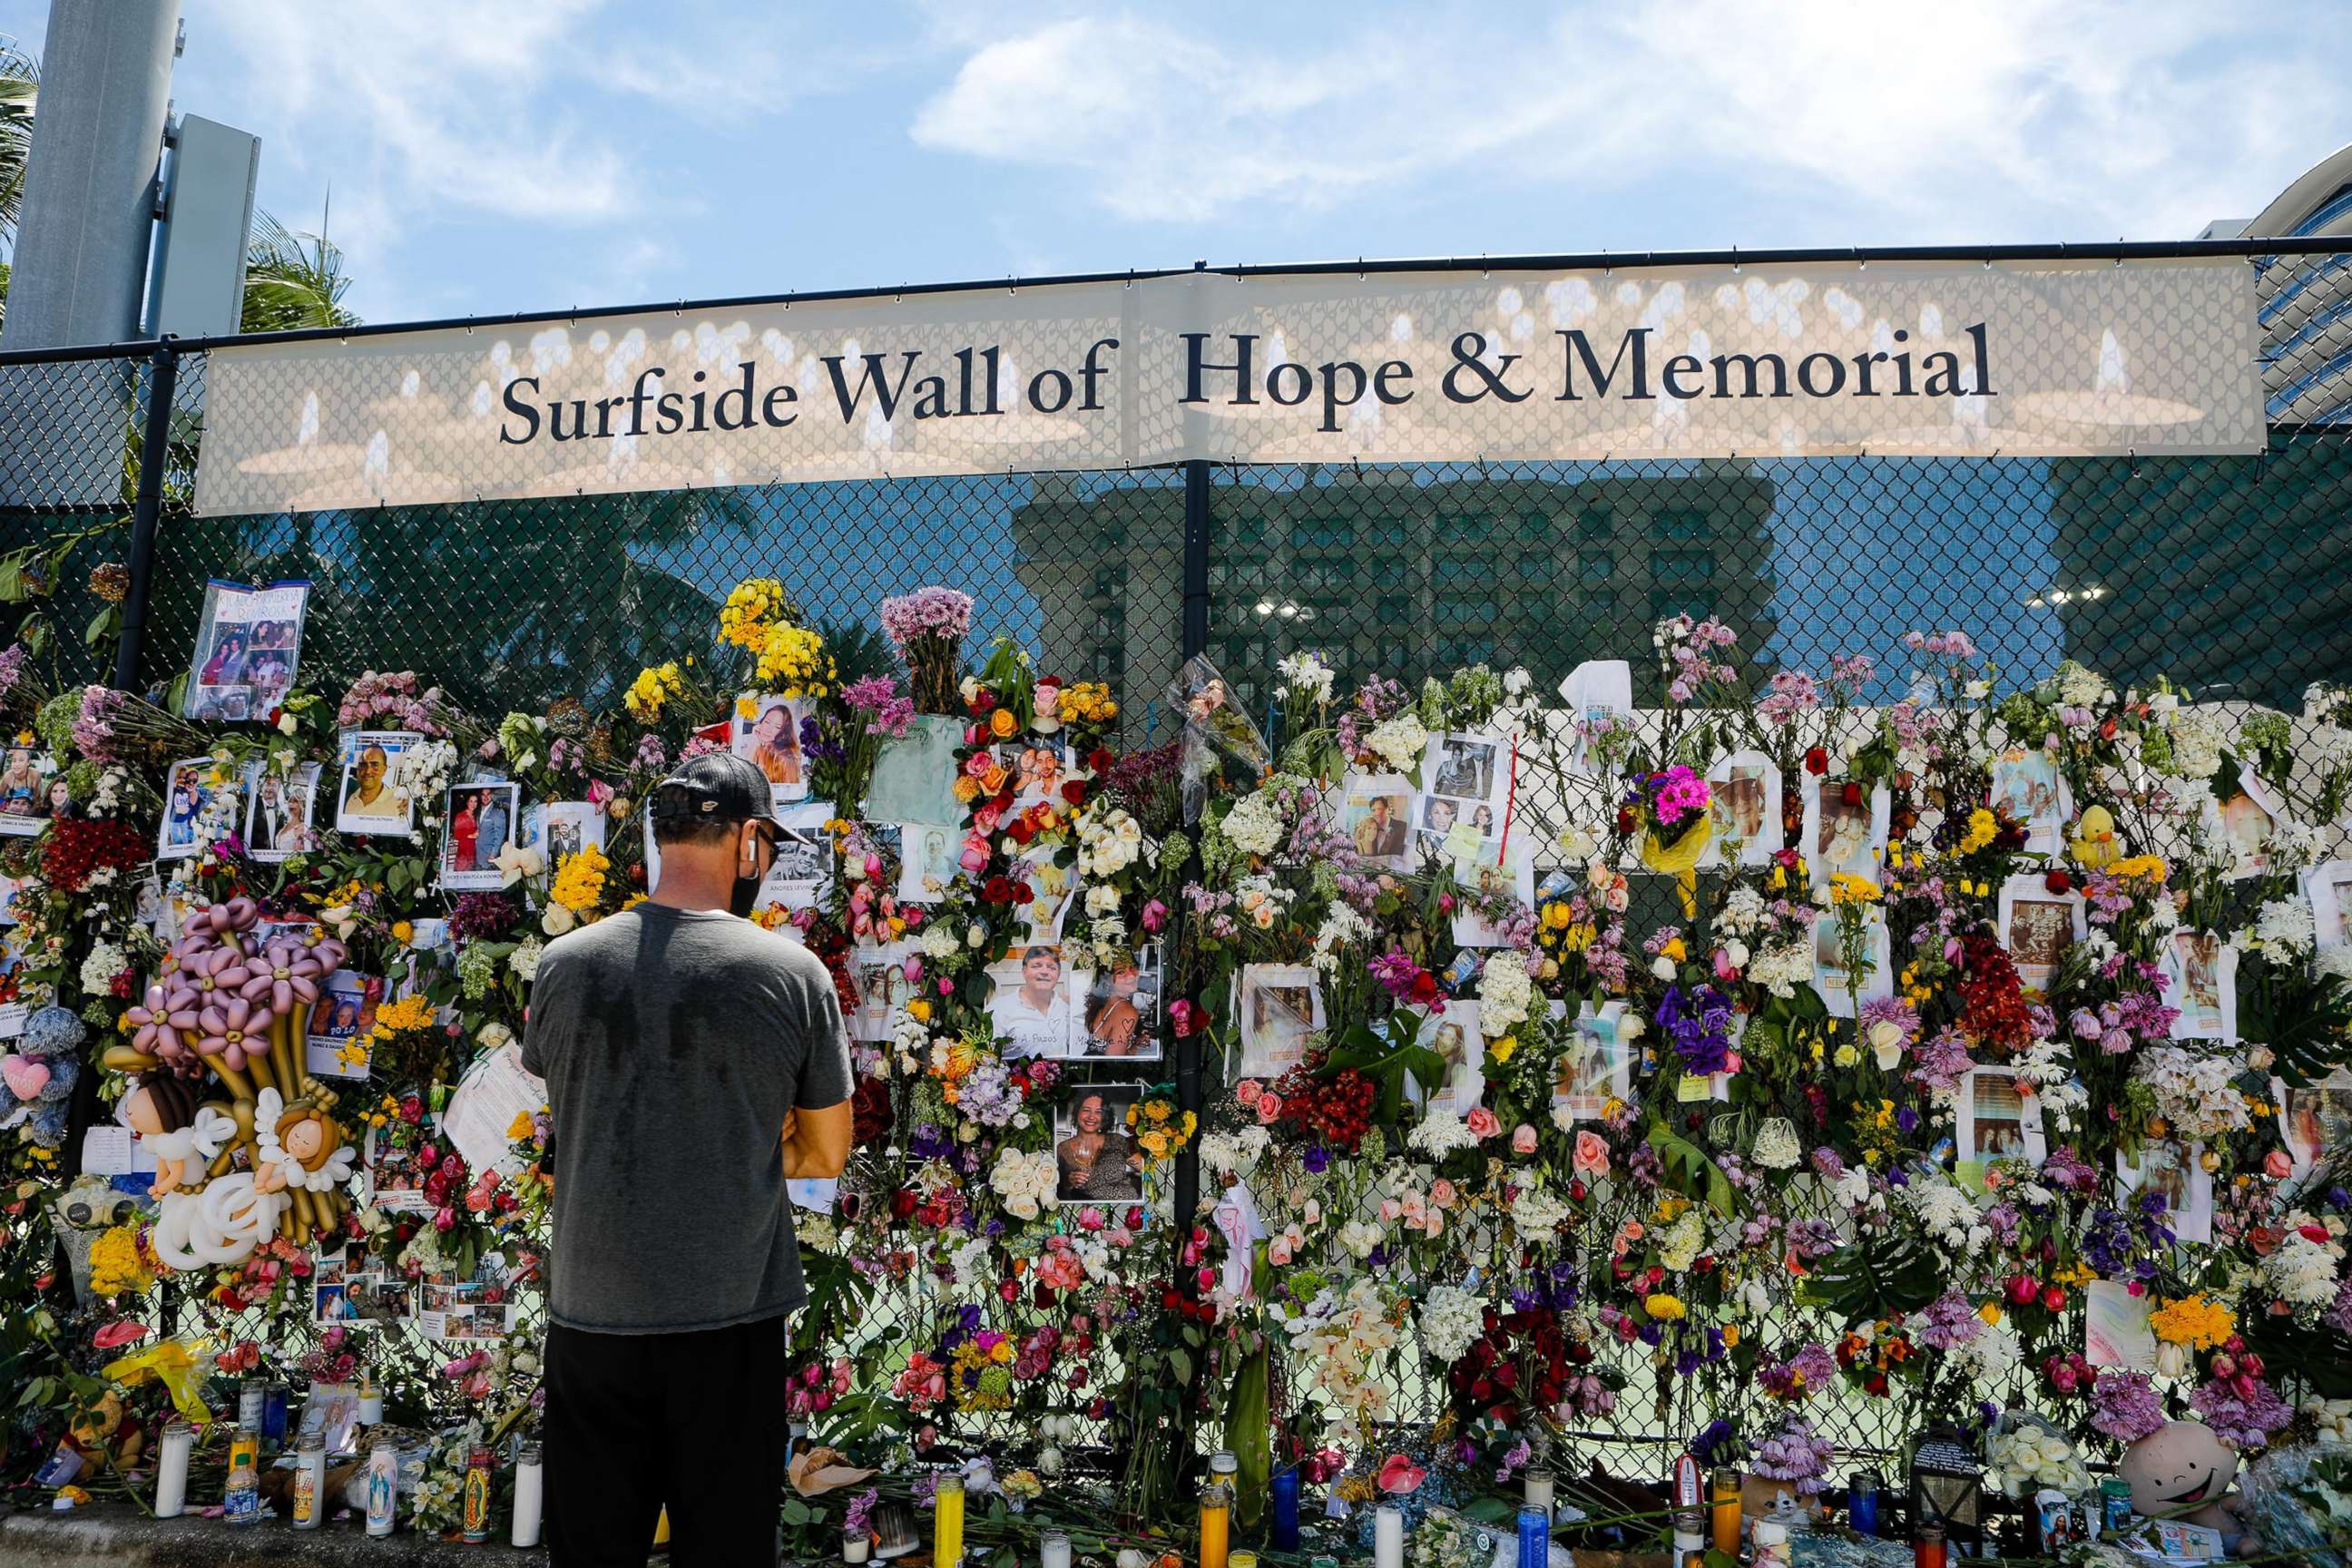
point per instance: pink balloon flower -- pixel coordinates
(235, 1031)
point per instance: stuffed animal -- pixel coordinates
(2183, 1470)
(40, 1075)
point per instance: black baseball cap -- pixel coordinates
(717, 786)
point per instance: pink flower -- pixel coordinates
(1400, 1475)
(1441, 1193)
(1269, 1107)
(2278, 1165)
(1155, 915)
(1592, 1154)
(1247, 1090)
(1523, 1139)
(1482, 1122)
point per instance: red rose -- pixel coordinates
(996, 890)
(1853, 795)
(1024, 894)
(983, 701)
(1817, 762)
(2056, 881)
(1075, 792)
(1020, 830)
(1099, 760)
(1424, 987)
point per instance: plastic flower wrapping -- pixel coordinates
(1799, 1055)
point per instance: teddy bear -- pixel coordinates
(40, 1074)
(2183, 1470)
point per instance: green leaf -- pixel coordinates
(1179, 1362)
(797, 1512)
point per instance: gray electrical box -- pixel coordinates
(199, 282)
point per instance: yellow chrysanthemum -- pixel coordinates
(580, 880)
(2196, 1321)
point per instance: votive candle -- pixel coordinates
(1535, 1537)
(947, 1521)
(1053, 1550)
(1539, 1490)
(1388, 1537)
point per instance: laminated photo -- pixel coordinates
(2314, 1118)
(463, 1311)
(346, 1291)
(1597, 692)
(2174, 1171)
(878, 974)
(1281, 1013)
(1120, 1013)
(478, 824)
(1465, 779)
(929, 855)
(1845, 827)
(1095, 1157)
(2329, 889)
(32, 791)
(1377, 814)
(279, 820)
(2245, 818)
(1997, 1120)
(2037, 926)
(1454, 1038)
(1053, 887)
(194, 785)
(767, 732)
(2026, 784)
(336, 1042)
(2200, 984)
(1038, 770)
(2116, 1328)
(803, 869)
(396, 1181)
(1595, 1066)
(1744, 799)
(1033, 1002)
(371, 799)
(248, 646)
(1832, 983)
(1498, 870)
(561, 828)
(914, 774)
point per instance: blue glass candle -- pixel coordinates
(1284, 1537)
(1861, 1502)
(1535, 1538)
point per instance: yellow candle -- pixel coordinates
(1216, 1513)
(1724, 1495)
(946, 1522)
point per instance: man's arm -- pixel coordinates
(816, 1142)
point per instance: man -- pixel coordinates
(1034, 1015)
(1380, 836)
(371, 797)
(491, 836)
(694, 1064)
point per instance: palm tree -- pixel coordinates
(20, 83)
(287, 287)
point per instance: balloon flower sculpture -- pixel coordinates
(218, 1055)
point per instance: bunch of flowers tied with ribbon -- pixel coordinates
(1670, 811)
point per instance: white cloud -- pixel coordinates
(2030, 119)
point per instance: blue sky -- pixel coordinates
(489, 156)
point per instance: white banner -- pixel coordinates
(1957, 358)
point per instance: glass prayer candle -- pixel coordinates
(1216, 1521)
(1284, 1531)
(172, 1469)
(1388, 1537)
(947, 1521)
(1535, 1537)
(1539, 1490)
(1053, 1550)
(529, 1497)
(1723, 1493)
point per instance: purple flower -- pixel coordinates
(1319, 1160)
(2125, 1404)
(1698, 1021)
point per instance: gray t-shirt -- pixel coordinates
(673, 1042)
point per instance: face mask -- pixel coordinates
(745, 895)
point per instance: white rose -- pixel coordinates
(1629, 1026)
(1886, 1044)
(557, 919)
(1735, 952)
(1663, 967)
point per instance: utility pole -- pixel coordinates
(79, 275)
(80, 272)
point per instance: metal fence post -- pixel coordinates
(154, 456)
(1187, 1048)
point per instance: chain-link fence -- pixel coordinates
(2232, 575)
